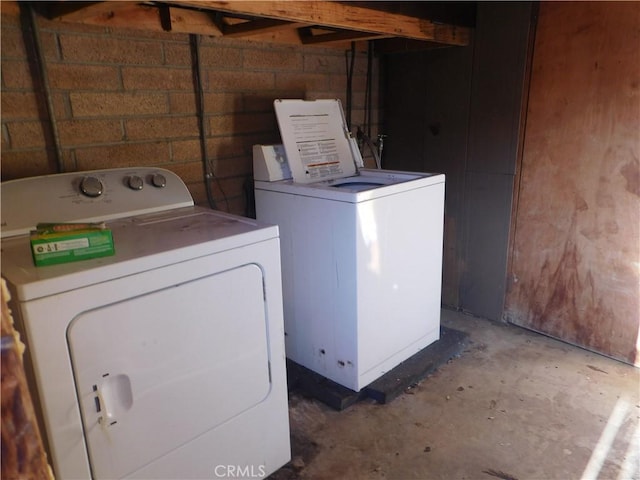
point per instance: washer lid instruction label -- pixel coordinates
(315, 138)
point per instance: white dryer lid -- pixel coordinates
(316, 139)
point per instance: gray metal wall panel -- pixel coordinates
(501, 40)
(488, 208)
(501, 50)
(457, 111)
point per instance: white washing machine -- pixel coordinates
(361, 248)
(165, 360)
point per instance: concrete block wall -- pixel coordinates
(126, 97)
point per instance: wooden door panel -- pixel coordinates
(576, 248)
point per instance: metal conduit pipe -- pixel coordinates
(29, 19)
(350, 60)
(194, 41)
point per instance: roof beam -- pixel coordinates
(347, 16)
(309, 38)
(134, 15)
(82, 12)
(255, 27)
(274, 20)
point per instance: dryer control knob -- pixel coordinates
(158, 180)
(134, 182)
(91, 187)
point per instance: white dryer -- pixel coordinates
(165, 360)
(361, 248)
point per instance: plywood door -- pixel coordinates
(576, 248)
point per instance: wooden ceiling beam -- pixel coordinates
(84, 12)
(347, 16)
(309, 38)
(94, 12)
(184, 20)
(274, 19)
(135, 15)
(260, 26)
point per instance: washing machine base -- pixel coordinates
(386, 388)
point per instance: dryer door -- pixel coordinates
(156, 371)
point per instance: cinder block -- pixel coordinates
(178, 54)
(236, 81)
(214, 103)
(124, 155)
(26, 163)
(185, 151)
(108, 49)
(302, 82)
(229, 146)
(180, 102)
(9, 13)
(189, 172)
(223, 102)
(16, 74)
(106, 104)
(257, 102)
(157, 78)
(11, 40)
(325, 64)
(83, 77)
(26, 134)
(87, 132)
(241, 123)
(161, 128)
(273, 59)
(19, 106)
(221, 56)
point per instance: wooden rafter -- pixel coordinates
(259, 26)
(339, 22)
(309, 38)
(341, 15)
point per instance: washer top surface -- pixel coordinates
(368, 184)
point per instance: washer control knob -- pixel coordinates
(91, 187)
(158, 180)
(134, 182)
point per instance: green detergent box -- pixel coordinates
(54, 243)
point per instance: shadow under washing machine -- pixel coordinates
(361, 248)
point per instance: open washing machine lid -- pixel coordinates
(316, 140)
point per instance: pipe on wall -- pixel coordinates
(40, 74)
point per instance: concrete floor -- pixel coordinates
(514, 405)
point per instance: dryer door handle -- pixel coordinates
(114, 397)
